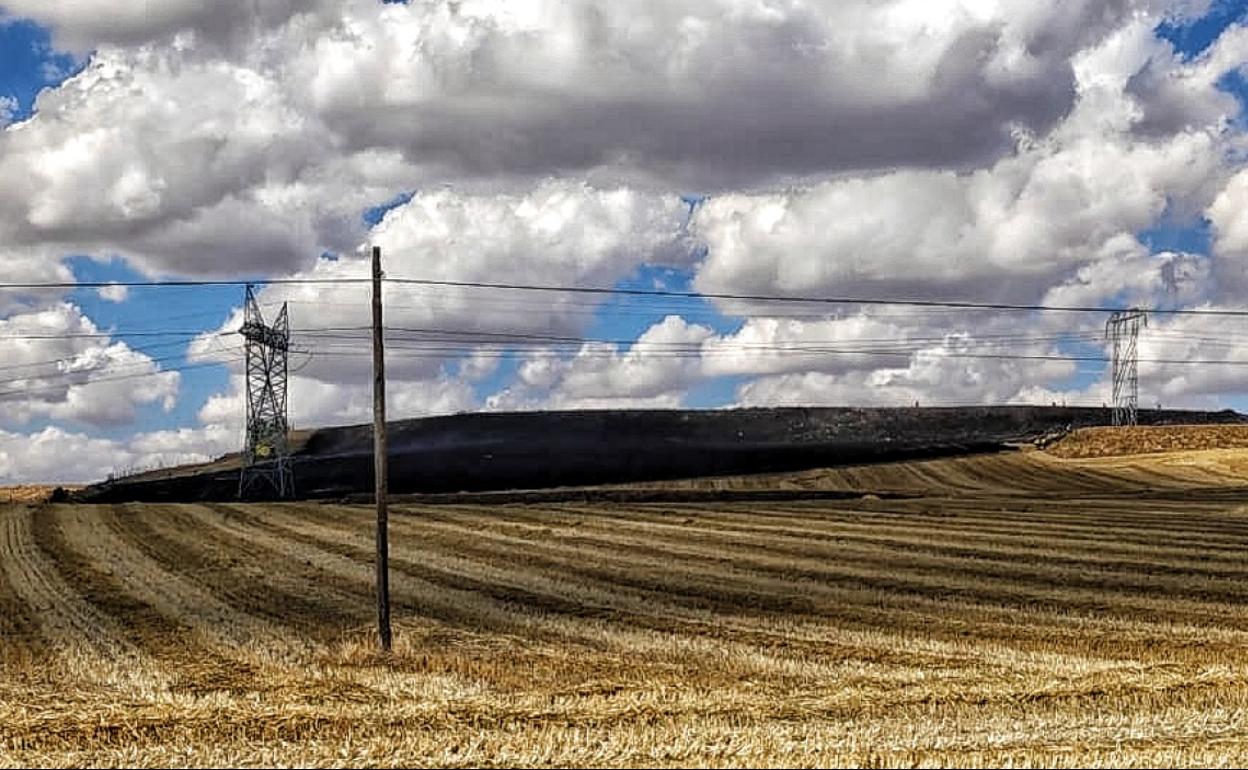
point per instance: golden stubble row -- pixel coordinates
(862, 633)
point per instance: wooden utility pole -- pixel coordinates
(380, 460)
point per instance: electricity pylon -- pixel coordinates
(266, 455)
(1123, 330)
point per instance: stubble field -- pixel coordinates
(1016, 609)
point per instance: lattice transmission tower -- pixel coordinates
(266, 455)
(1123, 331)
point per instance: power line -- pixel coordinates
(119, 333)
(567, 338)
(625, 292)
(800, 299)
(434, 344)
(103, 365)
(444, 352)
(190, 336)
(848, 346)
(73, 378)
(187, 283)
(34, 336)
(111, 366)
(446, 343)
(520, 305)
(24, 392)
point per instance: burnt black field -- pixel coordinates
(545, 450)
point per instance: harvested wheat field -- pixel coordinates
(26, 494)
(1095, 619)
(1150, 439)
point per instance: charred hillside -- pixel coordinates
(539, 450)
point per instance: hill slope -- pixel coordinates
(536, 450)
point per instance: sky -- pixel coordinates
(1089, 153)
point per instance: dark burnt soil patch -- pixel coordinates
(546, 450)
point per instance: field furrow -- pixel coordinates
(620, 592)
(1018, 610)
(736, 572)
(19, 622)
(65, 618)
(235, 567)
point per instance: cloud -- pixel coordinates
(1013, 231)
(40, 457)
(1229, 216)
(8, 108)
(83, 25)
(249, 136)
(708, 94)
(558, 233)
(655, 371)
(1054, 221)
(212, 185)
(944, 374)
(841, 360)
(1187, 339)
(36, 265)
(317, 404)
(58, 365)
(442, 339)
(114, 292)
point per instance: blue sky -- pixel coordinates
(28, 64)
(1192, 38)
